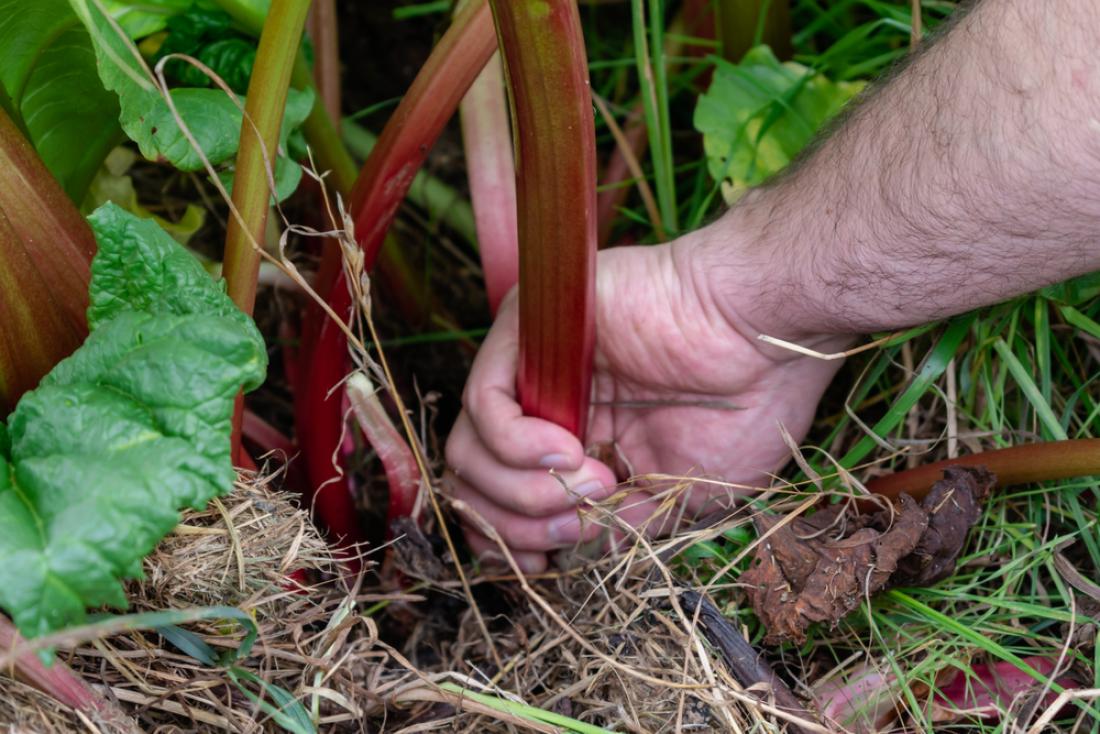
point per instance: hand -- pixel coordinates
(679, 387)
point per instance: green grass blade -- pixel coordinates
(528, 712)
(933, 367)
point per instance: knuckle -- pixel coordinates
(474, 397)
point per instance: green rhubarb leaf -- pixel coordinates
(48, 74)
(212, 116)
(144, 17)
(759, 114)
(208, 35)
(135, 425)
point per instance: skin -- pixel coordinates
(968, 177)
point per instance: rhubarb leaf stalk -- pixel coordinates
(256, 153)
(385, 178)
(491, 171)
(547, 73)
(45, 253)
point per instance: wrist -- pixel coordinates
(758, 281)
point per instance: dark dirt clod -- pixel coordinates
(820, 568)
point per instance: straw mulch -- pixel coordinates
(612, 643)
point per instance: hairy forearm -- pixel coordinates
(970, 177)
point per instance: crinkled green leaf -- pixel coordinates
(758, 114)
(213, 118)
(209, 36)
(135, 425)
(144, 17)
(139, 267)
(48, 73)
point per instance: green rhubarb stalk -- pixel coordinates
(266, 101)
(544, 59)
(46, 249)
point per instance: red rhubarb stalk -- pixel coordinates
(547, 74)
(491, 170)
(1037, 462)
(324, 32)
(61, 683)
(409, 134)
(398, 460)
(46, 249)
(389, 170)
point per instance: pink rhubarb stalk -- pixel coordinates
(398, 461)
(385, 178)
(491, 171)
(547, 72)
(324, 32)
(61, 683)
(46, 250)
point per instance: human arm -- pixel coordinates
(970, 177)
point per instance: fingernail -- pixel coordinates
(559, 462)
(564, 529)
(588, 488)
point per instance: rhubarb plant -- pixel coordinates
(151, 115)
(49, 87)
(547, 71)
(98, 460)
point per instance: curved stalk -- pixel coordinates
(386, 176)
(264, 106)
(46, 250)
(1038, 462)
(417, 122)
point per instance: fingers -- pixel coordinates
(489, 554)
(518, 531)
(490, 401)
(530, 492)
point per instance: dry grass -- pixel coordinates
(606, 642)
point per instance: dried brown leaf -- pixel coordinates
(820, 568)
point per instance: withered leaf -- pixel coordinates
(820, 568)
(953, 506)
